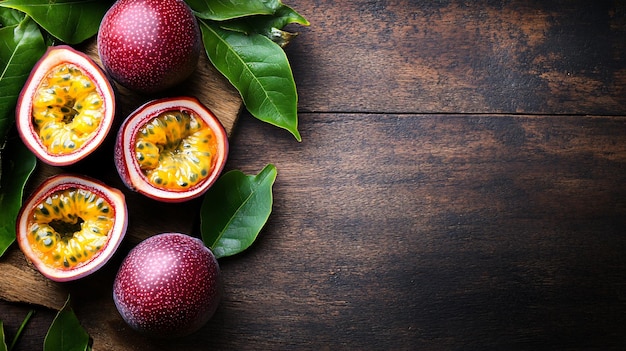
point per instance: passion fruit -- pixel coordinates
(66, 108)
(169, 285)
(149, 45)
(171, 149)
(71, 225)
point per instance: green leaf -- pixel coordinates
(3, 344)
(259, 70)
(265, 24)
(286, 15)
(229, 9)
(71, 21)
(21, 46)
(270, 26)
(66, 333)
(17, 165)
(10, 17)
(20, 329)
(235, 209)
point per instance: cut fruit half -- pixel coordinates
(71, 226)
(171, 149)
(66, 108)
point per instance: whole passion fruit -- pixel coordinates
(149, 45)
(71, 225)
(169, 285)
(66, 108)
(171, 149)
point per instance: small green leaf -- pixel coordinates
(20, 329)
(66, 333)
(17, 165)
(229, 9)
(259, 70)
(235, 209)
(270, 26)
(3, 344)
(265, 24)
(70, 21)
(286, 15)
(21, 46)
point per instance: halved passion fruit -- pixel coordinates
(66, 107)
(171, 149)
(71, 225)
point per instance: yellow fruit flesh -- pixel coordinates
(67, 110)
(175, 150)
(69, 227)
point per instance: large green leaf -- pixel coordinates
(17, 165)
(10, 17)
(259, 70)
(235, 209)
(66, 333)
(229, 9)
(21, 46)
(71, 21)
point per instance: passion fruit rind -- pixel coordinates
(168, 286)
(71, 226)
(171, 149)
(149, 46)
(66, 108)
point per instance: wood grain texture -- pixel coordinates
(460, 185)
(536, 57)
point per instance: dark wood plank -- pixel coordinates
(423, 232)
(539, 57)
(445, 231)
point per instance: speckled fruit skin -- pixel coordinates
(149, 45)
(169, 285)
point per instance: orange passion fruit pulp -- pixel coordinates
(66, 108)
(71, 226)
(171, 149)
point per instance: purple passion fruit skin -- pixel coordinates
(71, 226)
(66, 108)
(149, 45)
(171, 149)
(169, 285)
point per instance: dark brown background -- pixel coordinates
(460, 185)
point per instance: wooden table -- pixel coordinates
(461, 184)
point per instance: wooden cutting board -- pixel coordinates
(20, 282)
